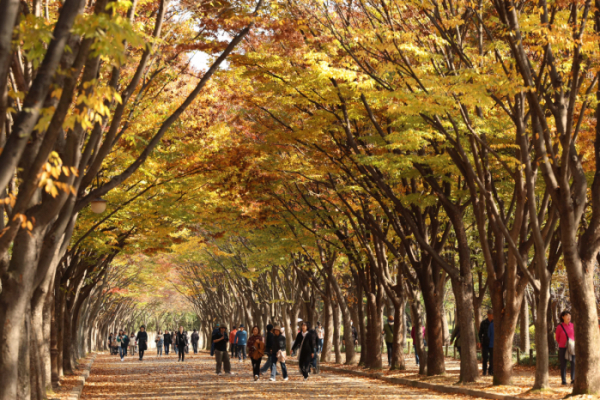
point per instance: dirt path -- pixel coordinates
(165, 378)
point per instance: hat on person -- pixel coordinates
(224, 326)
(391, 318)
(217, 325)
(276, 328)
(241, 325)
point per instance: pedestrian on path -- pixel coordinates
(413, 335)
(320, 337)
(491, 346)
(232, 345)
(181, 341)
(167, 341)
(195, 339)
(484, 343)
(269, 337)
(174, 336)
(306, 343)
(388, 332)
(241, 339)
(220, 340)
(124, 343)
(256, 351)
(212, 345)
(142, 340)
(159, 343)
(354, 335)
(278, 354)
(132, 343)
(565, 337)
(455, 338)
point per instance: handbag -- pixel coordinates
(570, 345)
(258, 350)
(281, 356)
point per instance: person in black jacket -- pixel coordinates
(306, 341)
(268, 346)
(212, 346)
(167, 341)
(220, 340)
(484, 342)
(278, 344)
(195, 339)
(142, 339)
(181, 341)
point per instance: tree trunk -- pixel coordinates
(587, 335)
(524, 325)
(327, 323)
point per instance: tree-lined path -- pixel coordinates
(165, 378)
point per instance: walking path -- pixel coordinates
(165, 378)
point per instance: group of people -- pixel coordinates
(564, 334)
(122, 342)
(119, 344)
(271, 346)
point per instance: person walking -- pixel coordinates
(388, 332)
(413, 335)
(306, 343)
(220, 340)
(216, 330)
(565, 337)
(159, 340)
(195, 339)
(241, 338)
(232, 345)
(320, 337)
(142, 339)
(354, 335)
(278, 354)
(132, 343)
(174, 336)
(256, 351)
(268, 347)
(115, 344)
(455, 338)
(124, 343)
(484, 343)
(110, 342)
(491, 347)
(181, 341)
(167, 340)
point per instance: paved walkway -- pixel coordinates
(165, 378)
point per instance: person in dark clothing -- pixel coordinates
(167, 341)
(212, 346)
(142, 339)
(220, 340)
(354, 336)
(388, 332)
(487, 351)
(124, 344)
(455, 338)
(278, 345)
(195, 339)
(306, 342)
(268, 346)
(181, 341)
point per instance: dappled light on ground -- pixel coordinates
(165, 378)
